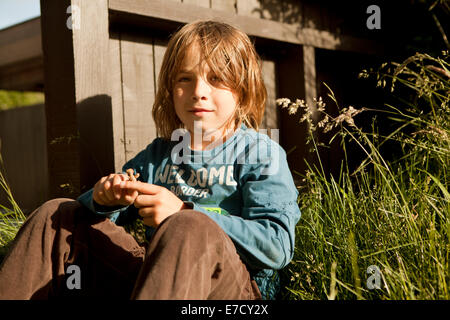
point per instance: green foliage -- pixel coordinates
(137, 229)
(13, 99)
(392, 215)
(11, 216)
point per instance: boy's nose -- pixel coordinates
(201, 90)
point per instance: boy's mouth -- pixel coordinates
(199, 111)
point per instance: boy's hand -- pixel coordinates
(107, 191)
(155, 203)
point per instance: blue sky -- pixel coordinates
(16, 11)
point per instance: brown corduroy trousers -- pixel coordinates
(188, 257)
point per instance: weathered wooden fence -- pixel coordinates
(23, 146)
(100, 71)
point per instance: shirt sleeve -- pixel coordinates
(264, 234)
(141, 164)
(87, 200)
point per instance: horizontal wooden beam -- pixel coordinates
(25, 75)
(21, 42)
(21, 62)
(263, 28)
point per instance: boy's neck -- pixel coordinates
(210, 140)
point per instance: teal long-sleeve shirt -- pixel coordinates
(244, 185)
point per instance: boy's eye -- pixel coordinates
(183, 79)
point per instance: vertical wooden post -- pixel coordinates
(60, 105)
(292, 133)
(117, 102)
(298, 63)
(78, 100)
(310, 80)
(309, 65)
(138, 92)
(271, 114)
(93, 91)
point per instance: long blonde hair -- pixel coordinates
(229, 53)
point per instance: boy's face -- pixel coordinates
(200, 95)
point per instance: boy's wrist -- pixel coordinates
(187, 205)
(105, 208)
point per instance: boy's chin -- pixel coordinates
(204, 129)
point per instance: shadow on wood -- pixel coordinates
(94, 118)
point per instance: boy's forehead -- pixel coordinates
(193, 60)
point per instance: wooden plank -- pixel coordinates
(171, 11)
(21, 42)
(93, 92)
(138, 92)
(199, 3)
(249, 8)
(271, 114)
(309, 63)
(93, 35)
(310, 83)
(78, 98)
(224, 5)
(115, 76)
(27, 75)
(61, 110)
(159, 48)
(24, 152)
(290, 80)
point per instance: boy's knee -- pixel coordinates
(191, 220)
(190, 230)
(50, 207)
(55, 203)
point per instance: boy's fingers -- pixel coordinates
(103, 199)
(116, 186)
(141, 187)
(124, 177)
(146, 200)
(130, 196)
(132, 193)
(103, 179)
(108, 193)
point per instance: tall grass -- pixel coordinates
(380, 231)
(11, 216)
(13, 99)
